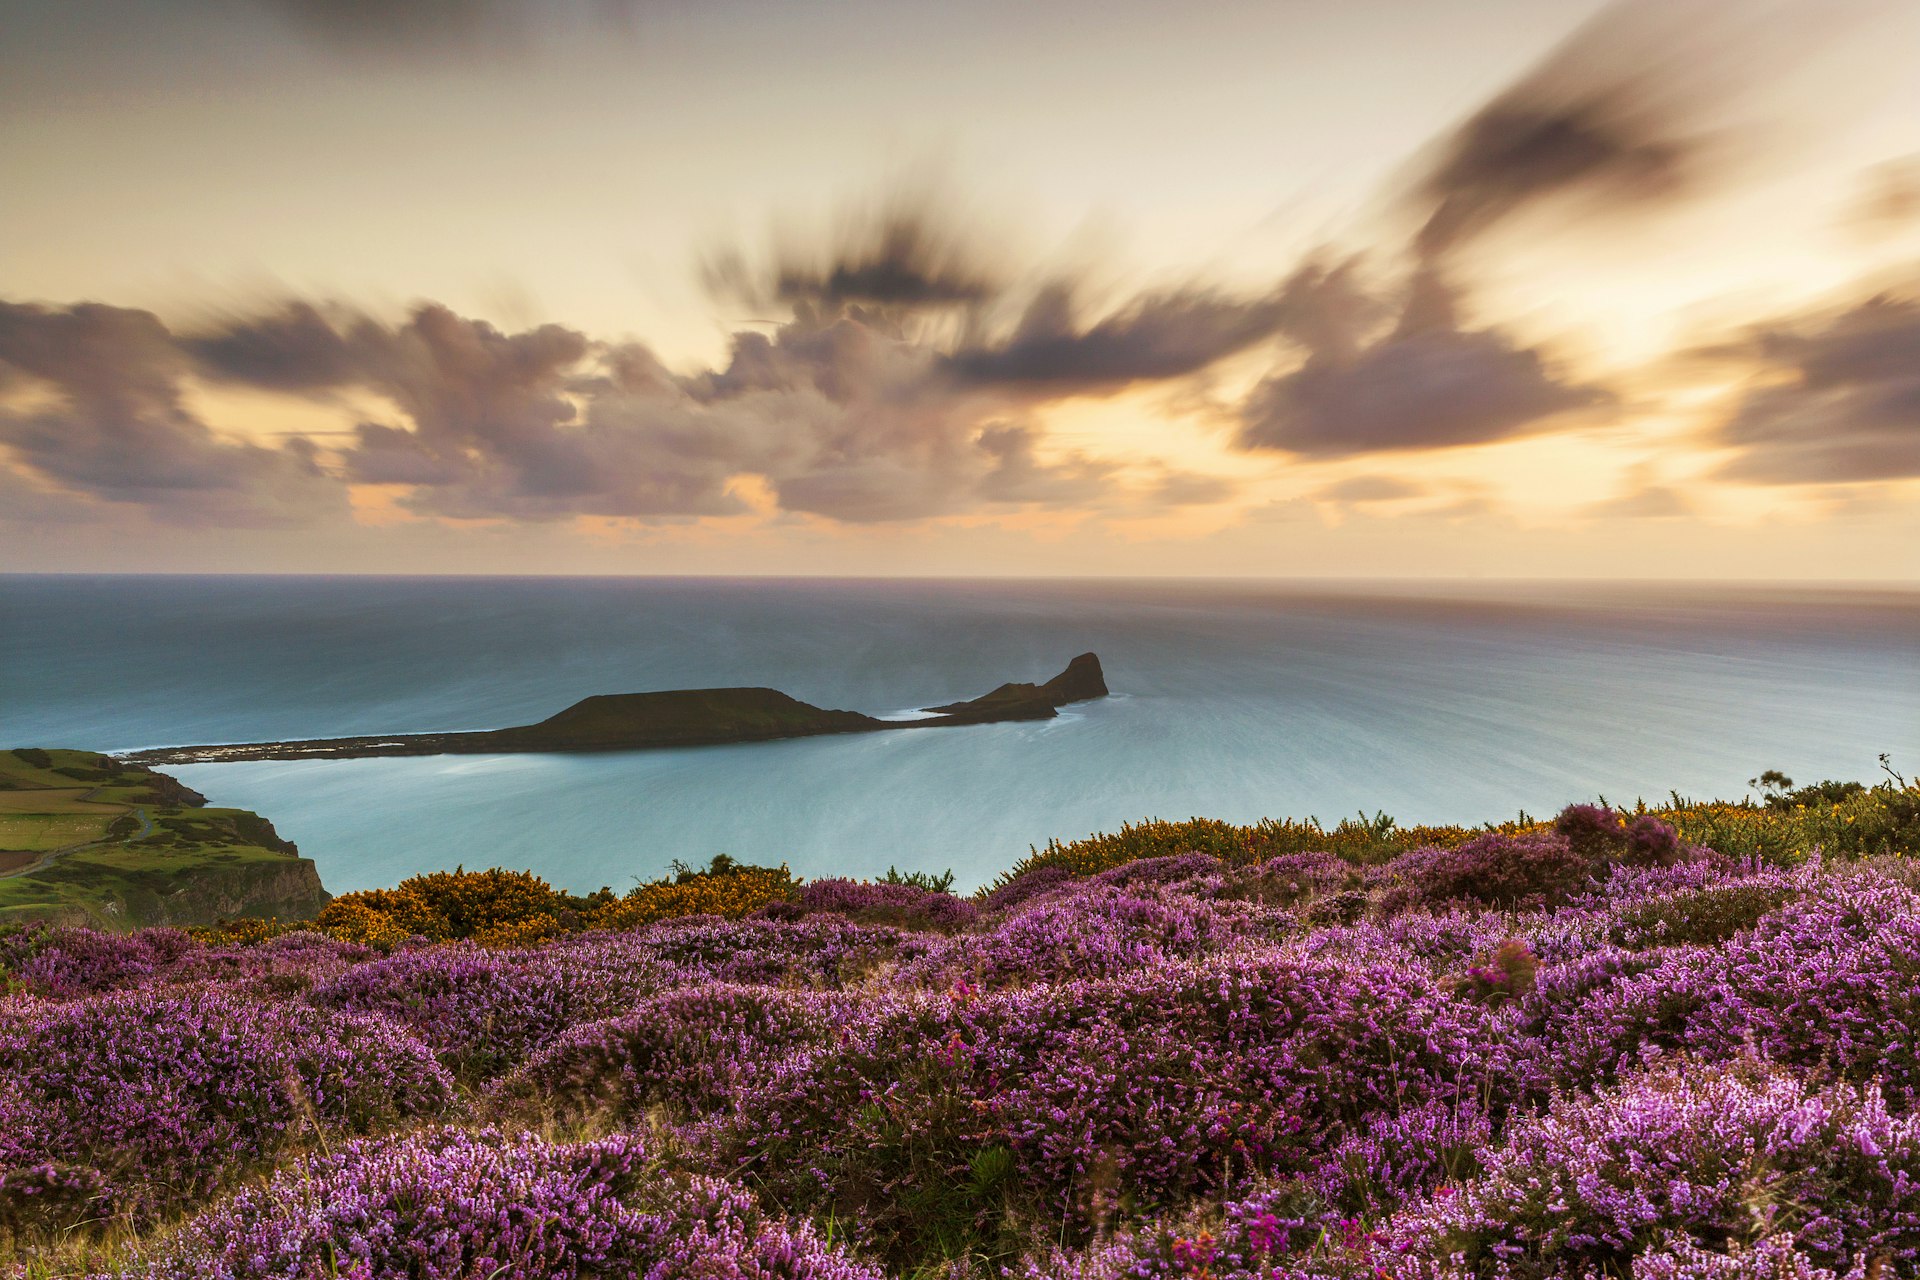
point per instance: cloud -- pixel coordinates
(1644, 498)
(1358, 489)
(1153, 338)
(429, 28)
(24, 504)
(1428, 383)
(840, 414)
(1637, 108)
(1189, 489)
(394, 22)
(1017, 474)
(1889, 198)
(296, 348)
(1836, 398)
(900, 256)
(112, 425)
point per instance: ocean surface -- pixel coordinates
(1232, 700)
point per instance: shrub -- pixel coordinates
(165, 1095)
(1593, 831)
(1358, 840)
(1508, 975)
(1392, 1156)
(1830, 792)
(1016, 891)
(1172, 869)
(1085, 930)
(726, 889)
(942, 883)
(1774, 1258)
(501, 907)
(64, 962)
(1294, 877)
(1281, 1230)
(908, 906)
(1702, 915)
(815, 951)
(1129, 1093)
(1496, 869)
(1879, 820)
(1828, 982)
(453, 1205)
(485, 1011)
(1714, 1156)
(690, 1050)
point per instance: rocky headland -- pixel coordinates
(666, 718)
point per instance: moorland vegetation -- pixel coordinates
(1670, 1041)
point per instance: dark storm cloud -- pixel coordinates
(110, 424)
(1836, 399)
(1428, 383)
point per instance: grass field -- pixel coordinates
(128, 845)
(39, 832)
(57, 800)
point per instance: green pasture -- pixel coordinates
(131, 838)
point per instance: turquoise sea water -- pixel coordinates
(1455, 703)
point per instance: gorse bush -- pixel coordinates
(942, 883)
(516, 908)
(727, 889)
(1881, 820)
(501, 906)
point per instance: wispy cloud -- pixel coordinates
(1835, 395)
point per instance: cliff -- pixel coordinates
(85, 838)
(1082, 680)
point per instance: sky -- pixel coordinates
(1378, 288)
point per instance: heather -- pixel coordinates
(150, 1098)
(449, 1205)
(1596, 1044)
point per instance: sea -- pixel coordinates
(1452, 702)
